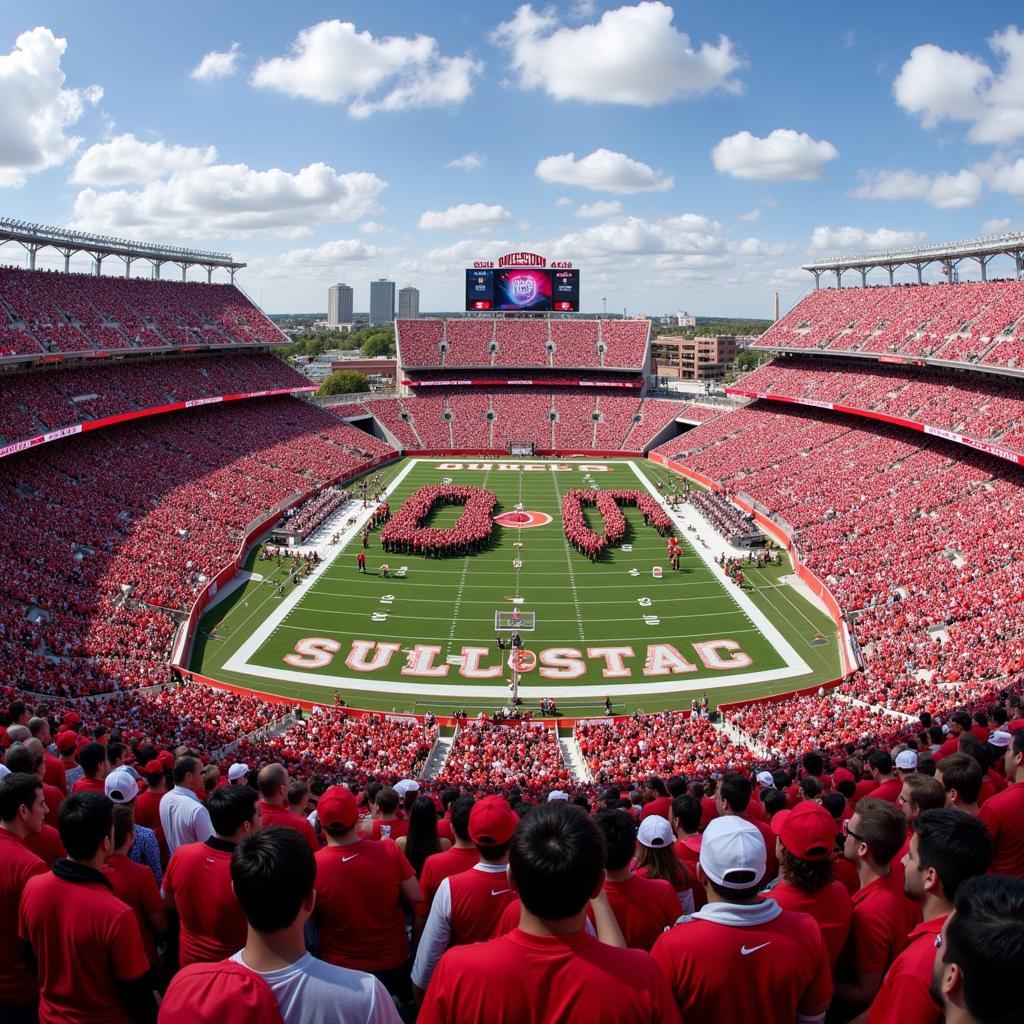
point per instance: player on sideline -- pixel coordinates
(549, 970)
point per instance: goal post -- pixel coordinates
(521, 448)
(515, 621)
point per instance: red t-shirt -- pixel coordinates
(53, 773)
(477, 901)
(708, 811)
(888, 791)
(18, 982)
(866, 787)
(533, 979)
(54, 798)
(905, 995)
(390, 828)
(439, 866)
(135, 885)
(831, 907)
(212, 923)
(768, 972)
(846, 873)
(878, 930)
(362, 923)
(46, 845)
(644, 908)
(89, 786)
(85, 940)
(445, 830)
(688, 851)
(278, 814)
(1004, 816)
(662, 806)
(147, 809)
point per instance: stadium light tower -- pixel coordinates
(604, 306)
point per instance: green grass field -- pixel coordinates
(449, 603)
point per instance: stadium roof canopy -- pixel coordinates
(33, 237)
(948, 254)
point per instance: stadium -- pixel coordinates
(528, 573)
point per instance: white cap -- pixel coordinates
(731, 845)
(557, 794)
(406, 786)
(766, 779)
(906, 760)
(1000, 738)
(120, 786)
(237, 771)
(4, 771)
(655, 832)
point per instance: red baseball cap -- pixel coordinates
(218, 993)
(71, 718)
(337, 807)
(66, 741)
(5, 740)
(842, 775)
(166, 758)
(154, 767)
(492, 821)
(807, 831)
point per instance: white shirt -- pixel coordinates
(312, 991)
(184, 818)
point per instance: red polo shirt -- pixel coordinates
(53, 772)
(879, 927)
(47, 845)
(905, 995)
(439, 866)
(529, 979)
(888, 791)
(644, 908)
(831, 907)
(388, 828)
(85, 941)
(198, 876)
(54, 798)
(866, 787)
(1004, 816)
(84, 785)
(147, 809)
(18, 982)
(278, 814)
(362, 923)
(135, 885)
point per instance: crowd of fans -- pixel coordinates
(405, 532)
(726, 519)
(585, 539)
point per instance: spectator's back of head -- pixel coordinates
(185, 766)
(961, 777)
(271, 779)
(619, 837)
(92, 757)
(85, 821)
(735, 790)
(387, 800)
(955, 845)
(460, 816)
(17, 790)
(881, 827)
(230, 808)
(272, 874)
(686, 810)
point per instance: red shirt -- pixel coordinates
(866, 787)
(445, 830)
(539, 979)
(46, 845)
(85, 941)
(644, 908)
(388, 828)
(439, 866)
(18, 982)
(54, 798)
(905, 995)
(147, 809)
(1004, 816)
(888, 791)
(84, 785)
(831, 907)
(477, 901)
(212, 923)
(662, 806)
(135, 885)
(53, 772)
(688, 851)
(878, 931)
(362, 923)
(278, 814)
(767, 972)
(846, 873)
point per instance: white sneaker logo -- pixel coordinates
(744, 951)
(498, 892)
(345, 860)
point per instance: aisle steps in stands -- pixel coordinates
(438, 757)
(574, 760)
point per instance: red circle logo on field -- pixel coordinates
(523, 520)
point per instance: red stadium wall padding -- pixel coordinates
(774, 698)
(501, 453)
(852, 410)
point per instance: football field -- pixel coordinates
(426, 639)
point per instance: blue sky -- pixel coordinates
(686, 156)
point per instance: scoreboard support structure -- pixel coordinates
(514, 623)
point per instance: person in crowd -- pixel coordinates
(198, 880)
(643, 907)
(92, 759)
(120, 786)
(86, 942)
(468, 905)
(273, 786)
(238, 774)
(54, 775)
(23, 757)
(805, 837)
(422, 840)
(920, 793)
(549, 968)
(961, 776)
(22, 812)
(1004, 813)
(273, 874)
(183, 816)
(387, 824)
(686, 820)
(147, 806)
(732, 797)
(656, 859)
(741, 958)
(360, 889)
(887, 783)
(461, 857)
(66, 743)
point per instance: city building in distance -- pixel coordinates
(382, 302)
(409, 303)
(339, 304)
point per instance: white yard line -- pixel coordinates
(568, 562)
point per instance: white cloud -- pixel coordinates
(946, 191)
(783, 155)
(687, 234)
(994, 225)
(602, 171)
(601, 208)
(331, 62)
(467, 250)
(758, 247)
(231, 200)
(940, 85)
(371, 227)
(342, 250)
(1004, 176)
(751, 215)
(35, 109)
(217, 64)
(829, 239)
(632, 55)
(563, 201)
(125, 160)
(469, 162)
(464, 217)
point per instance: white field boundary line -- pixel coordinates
(239, 662)
(794, 662)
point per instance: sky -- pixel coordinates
(687, 156)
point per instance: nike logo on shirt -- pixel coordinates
(498, 892)
(744, 951)
(345, 860)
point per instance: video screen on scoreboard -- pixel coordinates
(523, 290)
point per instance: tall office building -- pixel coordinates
(339, 304)
(382, 302)
(408, 303)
